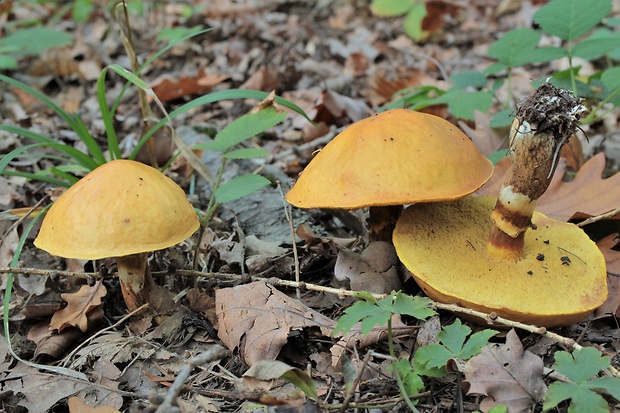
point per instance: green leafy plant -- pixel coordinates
(429, 361)
(432, 360)
(572, 22)
(582, 368)
(371, 312)
(467, 94)
(413, 10)
(29, 41)
(225, 143)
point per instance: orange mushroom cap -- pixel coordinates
(123, 207)
(560, 279)
(394, 158)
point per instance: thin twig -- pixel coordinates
(289, 218)
(599, 217)
(356, 382)
(169, 405)
(67, 359)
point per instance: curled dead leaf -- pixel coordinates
(79, 304)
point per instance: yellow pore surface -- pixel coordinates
(559, 281)
(121, 208)
(393, 158)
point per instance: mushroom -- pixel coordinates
(394, 158)
(506, 258)
(122, 209)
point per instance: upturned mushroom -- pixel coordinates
(499, 255)
(385, 161)
(122, 209)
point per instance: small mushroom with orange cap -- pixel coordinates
(122, 209)
(385, 161)
(506, 258)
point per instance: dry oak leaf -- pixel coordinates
(507, 375)
(256, 319)
(79, 304)
(78, 406)
(168, 88)
(585, 196)
(612, 259)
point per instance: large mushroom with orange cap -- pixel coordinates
(122, 209)
(499, 255)
(385, 161)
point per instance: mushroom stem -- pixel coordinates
(544, 123)
(138, 286)
(382, 221)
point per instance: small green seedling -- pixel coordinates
(411, 379)
(582, 369)
(432, 360)
(372, 312)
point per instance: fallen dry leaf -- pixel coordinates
(323, 245)
(50, 343)
(264, 374)
(585, 196)
(115, 348)
(9, 239)
(168, 88)
(41, 391)
(374, 270)
(508, 375)
(609, 247)
(266, 79)
(79, 304)
(256, 319)
(612, 259)
(77, 405)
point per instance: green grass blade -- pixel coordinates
(27, 133)
(73, 153)
(39, 177)
(105, 110)
(216, 97)
(236, 94)
(7, 301)
(14, 153)
(66, 176)
(60, 111)
(106, 115)
(151, 60)
(89, 141)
